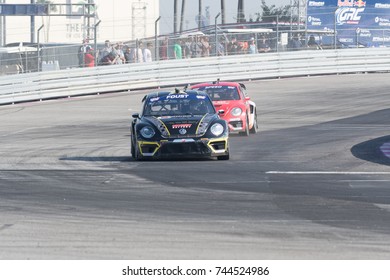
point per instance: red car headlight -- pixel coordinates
(236, 111)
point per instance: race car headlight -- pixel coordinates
(147, 132)
(217, 129)
(236, 111)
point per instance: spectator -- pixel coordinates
(312, 44)
(138, 56)
(221, 48)
(233, 47)
(263, 45)
(106, 50)
(118, 51)
(109, 59)
(177, 51)
(295, 44)
(196, 47)
(89, 59)
(187, 48)
(164, 49)
(148, 53)
(128, 55)
(205, 46)
(252, 46)
(82, 51)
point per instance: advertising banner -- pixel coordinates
(356, 22)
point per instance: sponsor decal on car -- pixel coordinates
(177, 96)
(182, 125)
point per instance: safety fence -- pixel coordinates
(170, 73)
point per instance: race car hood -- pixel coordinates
(226, 105)
(182, 126)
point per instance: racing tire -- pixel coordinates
(137, 154)
(132, 150)
(254, 128)
(246, 131)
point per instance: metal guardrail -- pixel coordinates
(104, 79)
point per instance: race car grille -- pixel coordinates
(236, 124)
(184, 148)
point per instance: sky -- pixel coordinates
(191, 10)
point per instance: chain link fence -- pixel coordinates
(212, 41)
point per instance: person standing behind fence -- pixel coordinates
(295, 43)
(138, 56)
(252, 48)
(119, 53)
(221, 48)
(82, 51)
(177, 51)
(312, 44)
(205, 46)
(263, 45)
(128, 55)
(148, 53)
(164, 49)
(89, 59)
(106, 50)
(233, 47)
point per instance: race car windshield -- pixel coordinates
(176, 105)
(218, 93)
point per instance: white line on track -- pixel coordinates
(327, 173)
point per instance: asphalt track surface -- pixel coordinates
(314, 183)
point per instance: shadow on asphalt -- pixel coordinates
(106, 159)
(371, 150)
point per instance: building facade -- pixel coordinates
(118, 20)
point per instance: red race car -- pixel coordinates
(238, 110)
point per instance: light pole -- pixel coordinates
(32, 24)
(39, 48)
(95, 41)
(216, 37)
(155, 40)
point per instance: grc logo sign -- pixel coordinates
(348, 15)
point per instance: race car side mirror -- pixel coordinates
(135, 116)
(221, 112)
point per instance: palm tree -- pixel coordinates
(200, 15)
(175, 16)
(223, 11)
(240, 11)
(183, 4)
(272, 14)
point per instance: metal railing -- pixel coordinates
(127, 77)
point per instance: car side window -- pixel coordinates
(244, 93)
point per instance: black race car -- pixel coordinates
(179, 124)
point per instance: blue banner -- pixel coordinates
(356, 22)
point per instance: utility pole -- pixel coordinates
(2, 28)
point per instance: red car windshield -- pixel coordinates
(218, 93)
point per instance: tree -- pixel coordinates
(273, 14)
